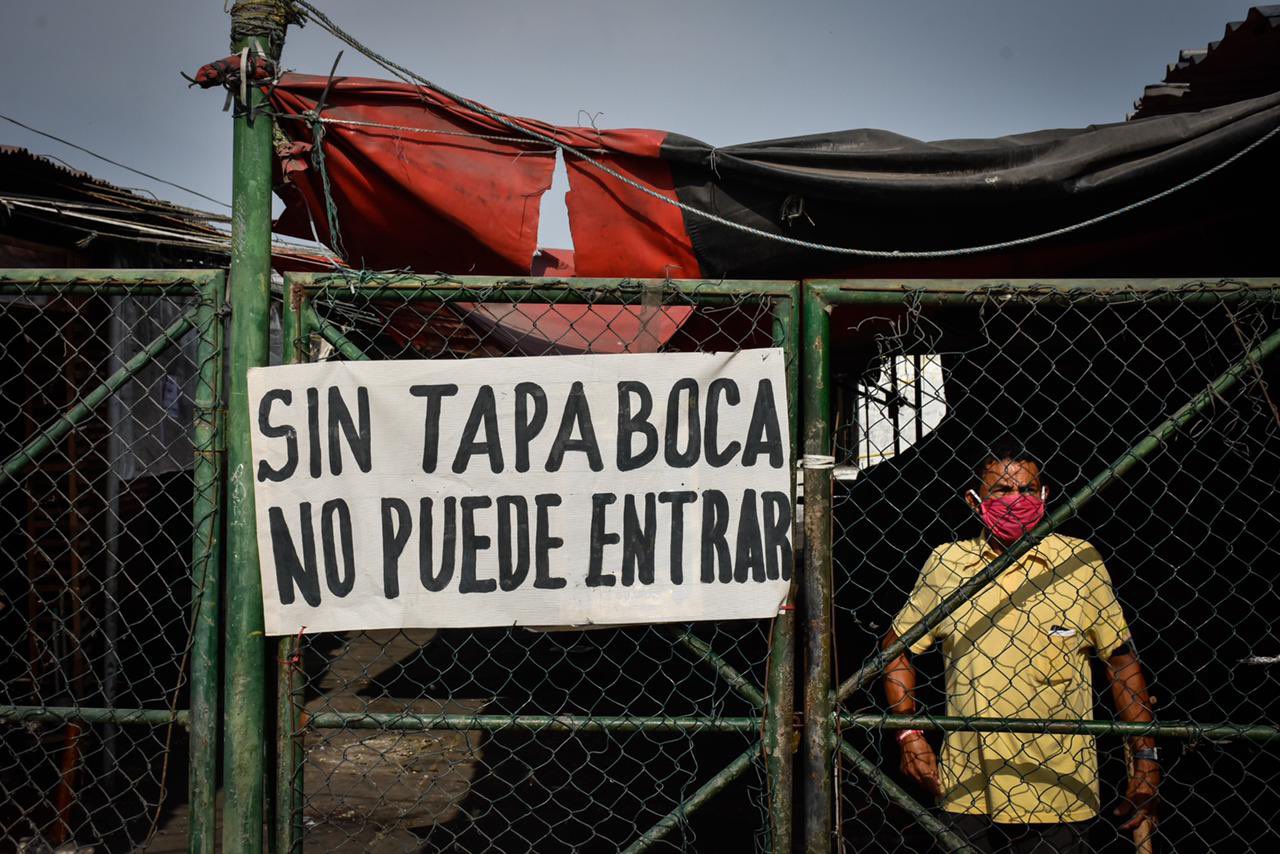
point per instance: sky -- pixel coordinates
(105, 73)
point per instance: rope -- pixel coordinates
(415, 79)
(406, 128)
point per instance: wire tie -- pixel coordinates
(817, 461)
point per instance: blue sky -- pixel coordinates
(105, 74)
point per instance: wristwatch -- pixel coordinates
(1151, 754)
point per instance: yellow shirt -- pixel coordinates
(1018, 650)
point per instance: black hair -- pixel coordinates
(1006, 448)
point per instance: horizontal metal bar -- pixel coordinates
(1189, 730)
(332, 334)
(91, 715)
(107, 276)
(960, 291)
(112, 290)
(452, 287)
(553, 723)
(67, 422)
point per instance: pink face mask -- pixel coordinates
(1008, 517)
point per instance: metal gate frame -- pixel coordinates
(300, 322)
(208, 287)
(822, 697)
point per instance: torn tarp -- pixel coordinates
(420, 181)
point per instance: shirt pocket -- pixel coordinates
(1056, 657)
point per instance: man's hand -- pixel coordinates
(920, 764)
(1141, 798)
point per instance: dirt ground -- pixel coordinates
(366, 788)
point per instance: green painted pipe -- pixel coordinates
(543, 723)
(206, 570)
(778, 742)
(816, 580)
(1189, 730)
(727, 672)
(67, 422)
(91, 715)
(706, 792)
(333, 335)
(125, 280)
(930, 822)
(424, 287)
(290, 748)
(1112, 473)
(245, 713)
(898, 292)
(111, 290)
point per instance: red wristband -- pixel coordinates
(904, 735)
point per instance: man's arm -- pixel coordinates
(1133, 705)
(918, 759)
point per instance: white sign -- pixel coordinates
(544, 491)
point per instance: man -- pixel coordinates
(1018, 650)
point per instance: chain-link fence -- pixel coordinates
(531, 740)
(1145, 416)
(110, 389)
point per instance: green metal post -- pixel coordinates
(206, 570)
(816, 583)
(289, 700)
(780, 681)
(258, 27)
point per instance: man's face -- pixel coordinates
(1007, 477)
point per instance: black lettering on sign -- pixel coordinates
(395, 536)
(639, 541)
(528, 426)
(715, 545)
(748, 557)
(483, 411)
(339, 585)
(693, 448)
(313, 431)
(543, 544)
(777, 535)
(716, 457)
(291, 571)
(511, 574)
(764, 436)
(286, 432)
(677, 500)
(600, 538)
(630, 425)
(432, 582)
(576, 417)
(472, 543)
(359, 439)
(431, 421)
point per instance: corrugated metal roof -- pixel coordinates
(1244, 63)
(50, 202)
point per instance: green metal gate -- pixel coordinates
(608, 739)
(111, 490)
(1157, 430)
